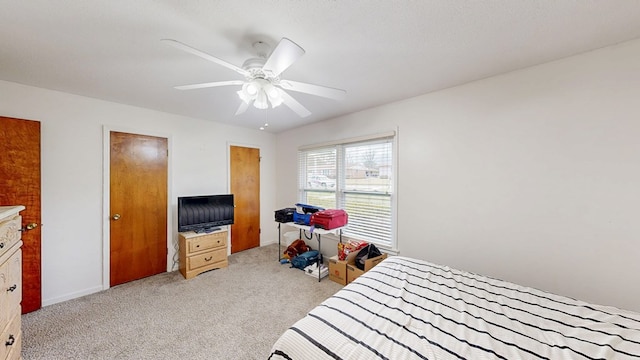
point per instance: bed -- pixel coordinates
(411, 309)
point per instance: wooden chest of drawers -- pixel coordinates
(10, 283)
(202, 252)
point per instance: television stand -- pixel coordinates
(202, 252)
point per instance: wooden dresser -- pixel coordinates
(10, 282)
(202, 252)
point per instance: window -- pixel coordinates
(357, 176)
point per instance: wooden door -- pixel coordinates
(245, 187)
(20, 185)
(138, 206)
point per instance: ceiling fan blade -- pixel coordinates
(209, 84)
(331, 93)
(243, 107)
(285, 54)
(294, 105)
(204, 55)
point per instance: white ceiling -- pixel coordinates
(379, 51)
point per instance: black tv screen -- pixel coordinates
(204, 213)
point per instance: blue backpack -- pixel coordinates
(305, 259)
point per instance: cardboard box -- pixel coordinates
(338, 270)
(353, 272)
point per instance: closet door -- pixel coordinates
(245, 187)
(138, 205)
(20, 185)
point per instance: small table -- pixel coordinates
(317, 231)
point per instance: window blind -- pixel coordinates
(357, 176)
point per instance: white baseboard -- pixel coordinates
(265, 243)
(74, 295)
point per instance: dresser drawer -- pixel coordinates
(13, 290)
(202, 252)
(206, 242)
(10, 284)
(16, 349)
(208, 258)
(9, 233)
(11, 338)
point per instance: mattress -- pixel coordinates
(411, 309)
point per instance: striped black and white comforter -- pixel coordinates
(410, 309)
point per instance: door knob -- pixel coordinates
(116, 217)
(29, 226)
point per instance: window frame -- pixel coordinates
(340, 193)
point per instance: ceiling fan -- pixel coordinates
(262, 84)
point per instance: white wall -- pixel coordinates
(532, 176)
(72, 175)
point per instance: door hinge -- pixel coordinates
(259, 231)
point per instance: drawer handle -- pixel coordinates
(208, 259)
(12, 340)
(197, 245)
(13, 288)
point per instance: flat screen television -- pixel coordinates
(204, 213)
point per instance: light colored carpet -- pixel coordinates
(232, 313)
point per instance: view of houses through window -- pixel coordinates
(356, 177)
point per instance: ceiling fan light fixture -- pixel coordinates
(274, 94)
(252, 88)
(271, 90)
(244, 96)
(276, 102)
(262, 93)
(261, 100)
